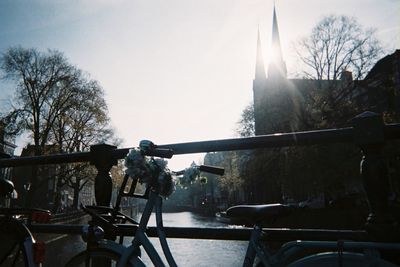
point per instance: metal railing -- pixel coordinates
(274, 234)
(367, 132)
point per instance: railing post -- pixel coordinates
(102, 159)
(368, 134)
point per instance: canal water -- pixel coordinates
(198, 252)
(187, 252)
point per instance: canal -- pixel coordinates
(196, 252)
(187, 252)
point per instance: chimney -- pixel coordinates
(346, 76)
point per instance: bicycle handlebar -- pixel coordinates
(212, 169)
(148, 148)
(160, 152)
(204, 168)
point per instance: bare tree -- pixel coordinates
(76, 129)
(85, 122)
(45, 83)
(337, 52)
(338, 43)
(58, 105)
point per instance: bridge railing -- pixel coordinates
(368, 132)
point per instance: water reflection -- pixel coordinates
(186, 219)
(196, 252)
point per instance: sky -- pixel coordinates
(178, 70)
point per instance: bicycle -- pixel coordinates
(17, 242)
(159, 183)
(330, 253)
(157, 179)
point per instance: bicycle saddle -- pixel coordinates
(258, 212)
(6, 187)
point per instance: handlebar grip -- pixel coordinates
(148, 148)
(212, 169)
(179, 173)
(160, 152)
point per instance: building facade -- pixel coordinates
(7, 148)
(280, 101)
(281, 104)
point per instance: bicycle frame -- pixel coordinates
(333, 250)
(28, 248)
(256, 248)
(155, 189)
(26, 243)
(11, 224)
(141, 239)
(130, 254)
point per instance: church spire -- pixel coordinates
(260, 70)
(277, 67)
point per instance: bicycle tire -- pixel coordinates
(331, 259)
(13, 256)
(14, 235)
(98, 253)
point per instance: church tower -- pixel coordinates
(274, 112)
(277, 67)
(273, 107)
(260, 70)
(259, 84)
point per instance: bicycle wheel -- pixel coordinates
(332, 259)
(98, 255)
(11, 253)
(15, 244)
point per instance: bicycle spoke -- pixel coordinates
(8, 253)
(16, 256)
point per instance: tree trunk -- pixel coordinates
(75, 202)
(57, 197)
(34, 178)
